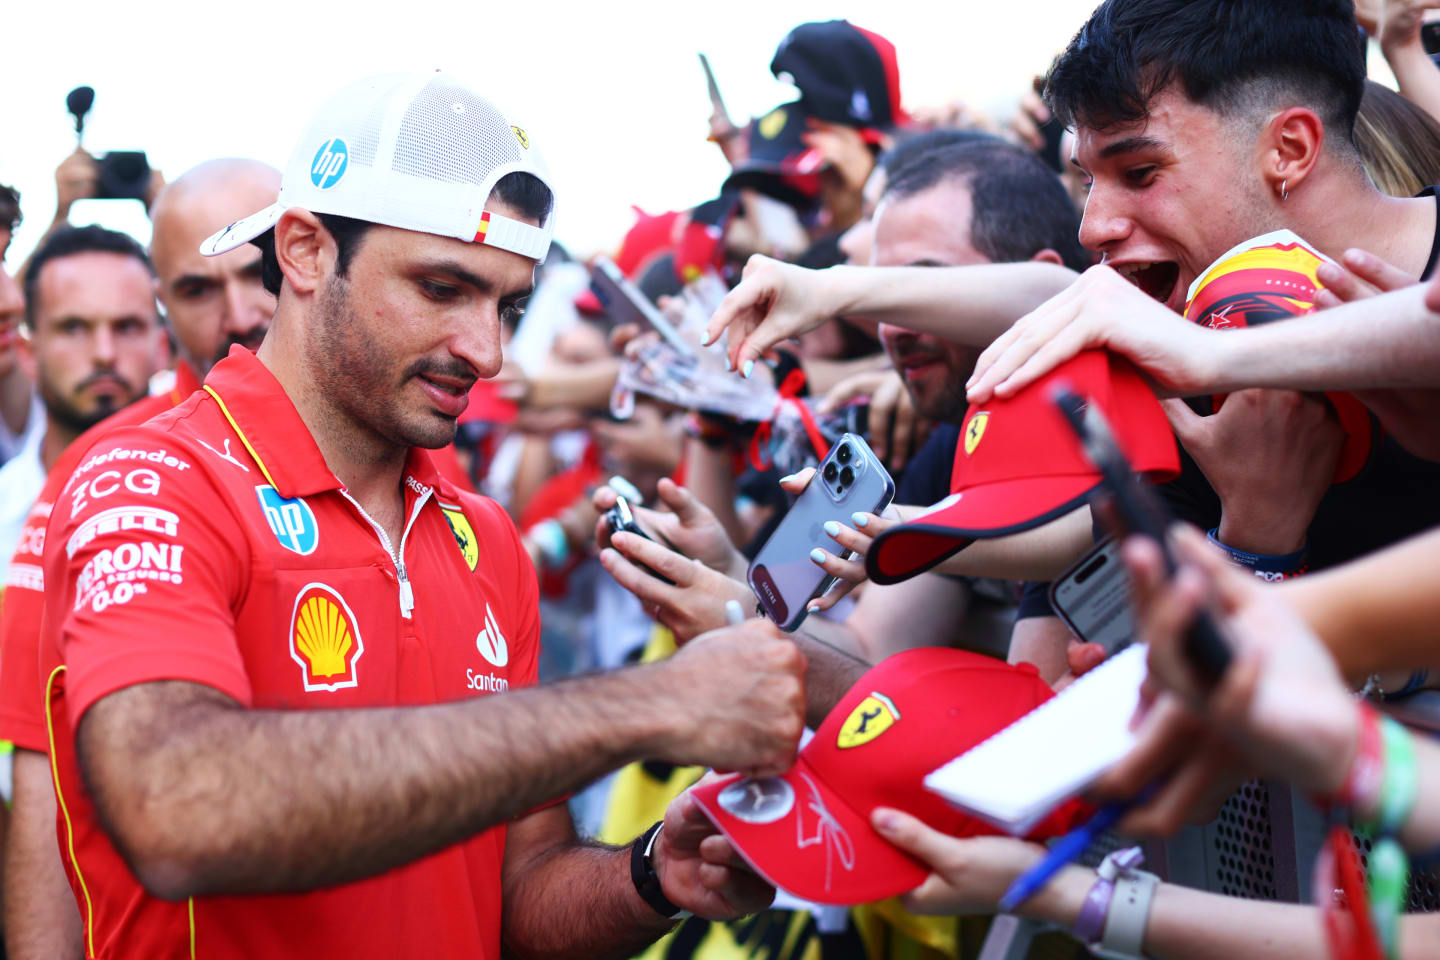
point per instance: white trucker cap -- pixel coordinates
(416, 151)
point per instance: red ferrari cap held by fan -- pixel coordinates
(1267, 278)
(1018, 465)
(809, 832)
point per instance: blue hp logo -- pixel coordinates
(330, 162)
(292, 521)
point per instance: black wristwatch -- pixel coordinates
(647, 881)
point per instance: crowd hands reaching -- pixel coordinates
(912, 278)
(1273, 460)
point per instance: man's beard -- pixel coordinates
(352, 374)
(71, 417)
(250, 341)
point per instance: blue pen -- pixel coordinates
(1065, 850)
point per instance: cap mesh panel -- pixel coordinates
(449, 134)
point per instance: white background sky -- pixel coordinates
(611, 92)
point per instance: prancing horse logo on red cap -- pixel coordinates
(975, 431)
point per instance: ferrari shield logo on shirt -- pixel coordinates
(975, 431)
(325, 639)
(464, 534)
(872, 717)
(292, 521)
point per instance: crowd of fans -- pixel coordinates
(908, 276)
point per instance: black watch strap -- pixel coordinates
(647, 881)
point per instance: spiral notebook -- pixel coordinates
(1017, 777)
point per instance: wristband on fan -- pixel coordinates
(1361, 787)
(1090, 924)
(1383, 782)
(1266, 567)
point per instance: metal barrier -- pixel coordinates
(1261, 846)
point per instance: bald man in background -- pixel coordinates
(212, 304)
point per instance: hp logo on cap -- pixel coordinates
(330, 162)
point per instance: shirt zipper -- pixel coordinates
(407, 592)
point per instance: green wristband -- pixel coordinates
(1402, 779)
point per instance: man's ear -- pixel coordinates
(1048, 256)
(304, 249)
(1290, 146)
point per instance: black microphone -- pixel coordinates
(78, 102)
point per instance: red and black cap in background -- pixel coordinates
(845, 74)
(808, 832)
(779, 162)
(1018, 465)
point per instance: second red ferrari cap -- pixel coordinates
(1018, 465)
(808, 832)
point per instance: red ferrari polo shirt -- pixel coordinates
(22, 712)
(213, 545)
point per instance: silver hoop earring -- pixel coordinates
(1284, 193)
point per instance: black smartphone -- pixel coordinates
(621, 519)
(1137, 509)
(1092, 598)
(1430, 36)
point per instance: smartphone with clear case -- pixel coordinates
(850, 479)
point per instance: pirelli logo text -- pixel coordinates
(151, 520)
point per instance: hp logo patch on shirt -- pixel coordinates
(292, 521)
(329, 164)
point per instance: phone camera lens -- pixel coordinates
(847, 476)
(830, 472)
(843, 454)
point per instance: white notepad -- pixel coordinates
(1018, 776)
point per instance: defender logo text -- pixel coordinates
(292, 521)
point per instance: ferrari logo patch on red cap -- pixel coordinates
(975, 431)
(870, 718)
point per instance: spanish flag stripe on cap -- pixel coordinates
(484, 226)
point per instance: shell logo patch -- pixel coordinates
(772, 123)
(521, 136)
(872, 717)
(324, 639)
(464, 534)
(975, 431)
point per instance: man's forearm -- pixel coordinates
(297, 800)
(42, 921)
(577, 900)
(1385, 342)
(831, 667)
(1039, 554)
(1394, 594)
(971, 304)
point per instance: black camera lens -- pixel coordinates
(847, 476)
(843, 454)
(830, 473)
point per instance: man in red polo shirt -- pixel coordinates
(275, 730)
(210, 304)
